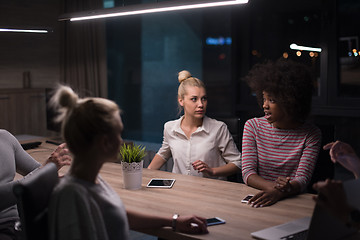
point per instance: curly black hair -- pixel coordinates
(291, 84)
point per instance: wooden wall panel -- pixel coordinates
(23, 111)
(21, 52)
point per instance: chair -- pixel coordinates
(33, 195)
(234, 126)
(324, 168)
(235, 129)
(168, 165)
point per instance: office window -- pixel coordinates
(348, 48)
(283, 29)
(145, 53)
(109, 3)
(276, 30)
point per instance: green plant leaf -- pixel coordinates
(132, 153)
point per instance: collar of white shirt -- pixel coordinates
(205, 127)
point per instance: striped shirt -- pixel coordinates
(271, 152)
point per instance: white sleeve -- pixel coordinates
(227, 147)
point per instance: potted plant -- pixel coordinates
(131, 157)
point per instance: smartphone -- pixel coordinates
(214, 221)
(161, 183)
(247, 198)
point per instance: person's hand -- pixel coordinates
(191, 224)
(60, 156)
(283, 184)
(344, 154)
(265, 198)
(200, 166)
(332, 197)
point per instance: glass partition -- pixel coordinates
(348, 48)
(288, 29)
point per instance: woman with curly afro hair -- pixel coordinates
(280, 149)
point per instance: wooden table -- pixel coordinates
(200, 196)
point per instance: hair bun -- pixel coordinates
(183, 75)
(67, 97)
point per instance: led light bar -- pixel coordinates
(23, 30)
(297, 47)
(148, 8)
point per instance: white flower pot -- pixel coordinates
(132, 174)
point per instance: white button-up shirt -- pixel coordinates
(211, 143)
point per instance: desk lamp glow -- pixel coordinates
(148, 8)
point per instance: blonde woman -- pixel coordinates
(83, 205)
(199, 145)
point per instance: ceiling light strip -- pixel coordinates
(159, 9)
(23, 30)
(304, 48)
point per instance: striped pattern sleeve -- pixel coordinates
(249, 150)
(271, 152)
(309, 157)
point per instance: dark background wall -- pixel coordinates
(145, 54)
(21, 52)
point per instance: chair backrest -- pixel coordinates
(324, 168)
(234, 126)
(33, 195)
(235, 129)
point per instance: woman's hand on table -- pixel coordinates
(200, 166)
(283, 184)
(265, 198)
(191, 224)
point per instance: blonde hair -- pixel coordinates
(83, 119)
(185, 80)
